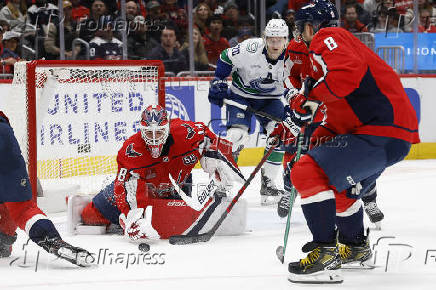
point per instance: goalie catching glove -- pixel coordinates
(137, 224)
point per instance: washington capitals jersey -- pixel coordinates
(103, 49)
(362, 93)
(297, 64)
(254, 76)
(179, 155)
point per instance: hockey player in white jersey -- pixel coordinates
(256, 66)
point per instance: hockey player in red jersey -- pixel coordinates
(371, 125)
(297, 69)
(154, 167)
(17, 209)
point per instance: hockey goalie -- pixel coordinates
(152, 196)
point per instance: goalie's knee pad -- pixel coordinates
(237, 135)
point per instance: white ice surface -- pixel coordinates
(406, 194)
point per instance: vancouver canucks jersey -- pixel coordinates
(254, 75)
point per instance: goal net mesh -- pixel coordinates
(83, 115)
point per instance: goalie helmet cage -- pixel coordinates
(41, 85)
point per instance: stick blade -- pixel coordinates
(186, 239)
(280, 254)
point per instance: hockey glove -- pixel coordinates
(136, 226)
(218, 91)
(282, 133)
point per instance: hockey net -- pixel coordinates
(71, 117)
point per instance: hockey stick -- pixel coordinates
(251, 110)
(280, 251)
(205, 237)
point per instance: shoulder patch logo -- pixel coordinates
(252, 47)
(130, 152)
(191, 131)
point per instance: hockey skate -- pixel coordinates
(356, 256)
(63, 250)
(321, 266)
(284, 204)
(6, 243)
(374, 213)
(269, 194)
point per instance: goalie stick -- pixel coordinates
(205, 237)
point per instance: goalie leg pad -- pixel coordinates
(234, 224)
(76, 206)
(237, 134)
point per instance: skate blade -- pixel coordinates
(322, 277)
(367, 265)
(377, 226)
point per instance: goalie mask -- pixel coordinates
(155, 128)
(276, 37)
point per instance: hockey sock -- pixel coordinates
(371, 195)
(273, 164)
(7, 226)
(320, 218)
(350, 228)
(43, 229)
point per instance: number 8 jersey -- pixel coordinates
(254, 75)
(362, 93)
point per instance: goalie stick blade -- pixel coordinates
(280, 254)
(322, 277)
(186, 240)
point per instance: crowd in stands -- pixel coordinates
(157, 29)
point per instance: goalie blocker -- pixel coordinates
(151, 196)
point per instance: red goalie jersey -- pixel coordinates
(143, 181)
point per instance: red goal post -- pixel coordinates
(68, 115)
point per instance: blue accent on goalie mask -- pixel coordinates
(320, 13)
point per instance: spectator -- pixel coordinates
(15, 13)
(351, 23)
(175, 16)
(138, 46)
(371, 6)
(362, 14)
(79, 12)
(132, 10)
(89, 27)
(243, 34)
(214, 43)
(104, 45)
(5, 26)
(167, 51)
(202, 13)
(51, 42)
(289, 17)
(425, 24)
(41, 13)
(230, 20)
(386, 22)
(245, 31)
(155, 20)
(201, 62)
(10, 54)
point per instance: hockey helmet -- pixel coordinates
(155, 128)
(320, 13)
(276, 28)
